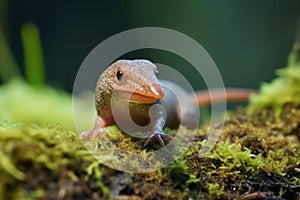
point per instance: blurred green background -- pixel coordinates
(248, 40)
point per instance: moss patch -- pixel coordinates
(250, 156)
(282, 90)
(46, 162)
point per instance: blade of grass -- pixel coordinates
(33, 54)
(293, 57)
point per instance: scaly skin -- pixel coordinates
(133, 85)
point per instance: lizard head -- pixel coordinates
(134, 79)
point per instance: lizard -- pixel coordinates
(136, 81)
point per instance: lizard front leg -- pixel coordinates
(99, 128)
(158, 114)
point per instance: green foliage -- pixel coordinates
(19, 102)
(22, 102)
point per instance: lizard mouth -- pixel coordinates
(136, 98)
(146, 94)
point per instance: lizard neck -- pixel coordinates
(103, 104)
(139, 112)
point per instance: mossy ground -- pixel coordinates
(254, 153)
(257, 156)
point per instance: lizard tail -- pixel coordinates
(206, 97)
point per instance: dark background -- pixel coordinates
(248, 40)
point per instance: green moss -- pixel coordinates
(45, 162)
(215, 191)
(282, 90)
(234, 159)
(250, 150)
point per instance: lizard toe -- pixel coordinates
(159, 136)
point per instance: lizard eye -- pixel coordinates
(119, 75)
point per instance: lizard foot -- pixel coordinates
(158, 135)
(93, 133)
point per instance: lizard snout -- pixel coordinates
(153, 90)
